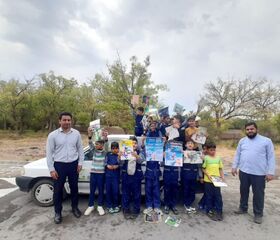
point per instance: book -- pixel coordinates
(174, 154)
(218, 181)
(154, 149)
(193, 157)
(173, 221)
(200, 136)
(96, 128)
(126, 149)
(152, 217)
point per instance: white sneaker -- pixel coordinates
(148, 210)
(158, 211)
(100, 210)
(88, 211)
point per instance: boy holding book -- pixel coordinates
(132, 177)
(213, 166)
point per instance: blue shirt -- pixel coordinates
(255, 156)
(64, 147)
(112, 159)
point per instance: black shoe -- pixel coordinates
(57, 218)
(166, 210)
(240, 211)
(76, 212)
(175, 210)
(134, 216)
(219, 217)
(258, 219)
(212, 215)
(126, 214)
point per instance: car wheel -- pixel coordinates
(42, 193)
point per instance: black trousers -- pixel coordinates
(213, 198)
(65, 170)
(258, 186)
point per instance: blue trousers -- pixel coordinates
(112, 188)
(152, 188)
(170, 181)
(213, 198)
(189, 180)
(96, 181)
(131, 191)
(65, 170)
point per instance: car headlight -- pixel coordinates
(22, 171)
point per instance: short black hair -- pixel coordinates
(251, 123)
(133, 138)
(191, 118)
(210, 145)
(65, 114)
(179, 117)
(114, 145)
(100, 142)
(140, 109)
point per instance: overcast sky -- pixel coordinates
(191, 42)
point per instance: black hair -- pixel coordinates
(140, 109)
(179, 117)
(64, 114)
(250, 124)
(210, 145)
(191, 118)
(114, 145)
(100, 142)
(133, 138)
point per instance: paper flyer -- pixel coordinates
(96, 127)
(153, 217)
(192, 157)
(173, 221)
(218, 182)
(172, 132)
(178, 108)
(154, 149)
(126, 149)
(174, 154)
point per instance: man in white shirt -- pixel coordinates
(65, 158)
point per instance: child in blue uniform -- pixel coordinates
(112, 178)
(152, 174)
(132, 177)
(139, 129)
(191, 172)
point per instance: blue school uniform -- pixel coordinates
(170, 181)
(131, 186)
(152, 174)
(139, 129)
(112, 181)
(189, 176)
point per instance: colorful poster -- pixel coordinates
(174, 154)
(126, 149)
(154, 149)
(200, 136)
(193, 157)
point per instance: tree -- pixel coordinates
(241, 98)
(114, 91)
(53, 96)
(13, 101)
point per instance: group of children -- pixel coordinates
(108, 168)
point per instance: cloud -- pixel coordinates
(190, 42)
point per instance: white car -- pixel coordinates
(37, 180)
